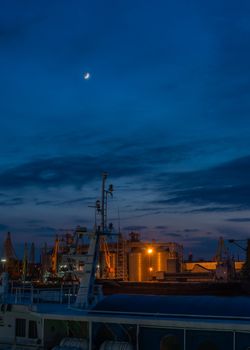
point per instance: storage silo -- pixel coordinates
(136, 265)
(160, 259)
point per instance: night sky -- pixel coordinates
(166, 113)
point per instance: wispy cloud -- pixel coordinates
(161, 227)
(3, 227)
(134, 228)
(239, 219)
(173, 234)
(60, 171)
(188, 230)
(77, 201)
(215, 209)
(34, 222)
(12, 202)
(224, 185)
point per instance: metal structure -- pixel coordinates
(8, 249)
(54, 257)
(121, 265)
(25, 262)
(37, 318)
(152, 260)
(9, 259)
(31, 262)
(246, 267)
(225, 268)
(32, 254)
(86, 296)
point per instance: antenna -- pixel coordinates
(85, 296)
(104, 202)
(119, 221)
(103, 214)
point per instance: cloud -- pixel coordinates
(208, 233)
(42, 231)
(8, 32)
(60, 171)
(12, 202)
(237, 195)
(3, 227)
(154, 210)
(16, 27)
(225, 185)
(215, 209)
(239, 219)
(46, 229)
(46, 202)
(229, 231)
(120, 159)
(34, 222)
(76, 201)
(134, 228)
(64, 203)
(173, 234)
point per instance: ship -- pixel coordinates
(71, 318)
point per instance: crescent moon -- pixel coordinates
(86, 76)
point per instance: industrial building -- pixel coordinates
(131, 260)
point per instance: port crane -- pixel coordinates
(54, 257)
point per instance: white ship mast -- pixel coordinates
(86, 296)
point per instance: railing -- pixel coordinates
(32, 295)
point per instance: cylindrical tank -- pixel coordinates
(116, 345)
(136, 265)
(160, 259)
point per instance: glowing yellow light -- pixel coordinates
(151, 269)
(150, 251)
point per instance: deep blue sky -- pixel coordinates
(166, 113)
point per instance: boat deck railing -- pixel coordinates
(28, 294)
